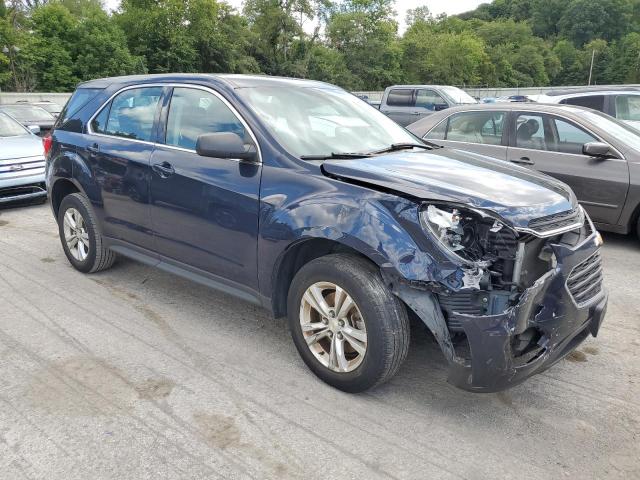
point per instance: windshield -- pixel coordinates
(458, 96)
(314, 121)
(9, 127)
(25, 113)
(615, 128)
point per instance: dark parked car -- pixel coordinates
(299, 197)
(407, 103)
(595, 154)
(29, 115)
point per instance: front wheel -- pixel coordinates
(349, 329)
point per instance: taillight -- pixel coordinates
(47, 142)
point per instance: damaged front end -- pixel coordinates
(509, 302)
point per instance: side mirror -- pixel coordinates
(441, 106)
(225, 145)
(597, 149)
(35, 129)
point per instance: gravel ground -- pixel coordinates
(134, 373)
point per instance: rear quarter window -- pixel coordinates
(595, 102)
(401, 97)
(79, 99)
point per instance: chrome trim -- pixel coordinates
(174, 85)
(557, 231)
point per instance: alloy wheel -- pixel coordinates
(76, 235)
(333, 327)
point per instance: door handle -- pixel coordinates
(93, 149)
(523, 161)
(164, 169)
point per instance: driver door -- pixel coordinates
(204, 210)
(553, 145)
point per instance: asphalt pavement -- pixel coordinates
(133, 373)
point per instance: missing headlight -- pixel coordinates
(471, 235)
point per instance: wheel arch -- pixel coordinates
(295, 257)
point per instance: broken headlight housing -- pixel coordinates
(464, 232)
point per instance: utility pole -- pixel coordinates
(593, 57)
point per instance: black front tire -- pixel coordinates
(385, 317)
(99, 257)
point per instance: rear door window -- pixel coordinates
(530, 132)
(401, 97)
(483, 128)
(628, 107)
(595, 102)
(131, 114)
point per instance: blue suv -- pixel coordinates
(301, 198)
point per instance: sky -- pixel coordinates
(450, 7)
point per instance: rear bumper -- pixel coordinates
(547, 310)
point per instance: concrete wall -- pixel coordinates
(13, 97)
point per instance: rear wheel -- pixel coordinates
(349, 329)
(81, 239)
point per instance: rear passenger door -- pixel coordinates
(553, 145)
(204, 210)
(117, 148)
(481, 132)
(400, 106)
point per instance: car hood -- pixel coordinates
(515, 193)
(20, 147)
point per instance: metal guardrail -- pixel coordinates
(483, 92)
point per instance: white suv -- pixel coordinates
(622, 103)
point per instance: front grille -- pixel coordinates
(556, 221)
(21, 167)
(585, 280)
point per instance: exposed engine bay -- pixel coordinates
(501, 262)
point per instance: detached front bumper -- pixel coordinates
(547, 316)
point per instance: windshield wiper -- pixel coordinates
(335, 156)
(405, 146)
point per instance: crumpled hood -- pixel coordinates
(515, 193)
(20, 147)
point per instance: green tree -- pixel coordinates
(276, 29)
(449, 58)
(365, 33)
(586, 20)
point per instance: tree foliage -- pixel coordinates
(54, 44)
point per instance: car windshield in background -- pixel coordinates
(51, 107)
(10, 128)
(322, 121)
(458, 96)
(25, 113)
